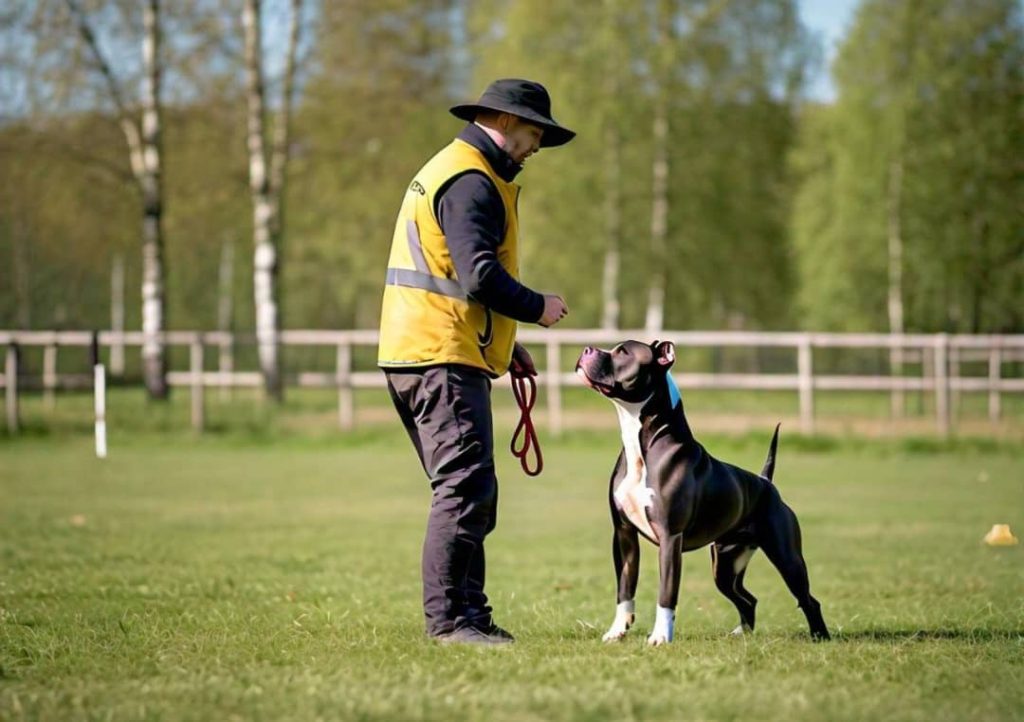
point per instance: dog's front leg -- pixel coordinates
(670, 560)
(626, 553)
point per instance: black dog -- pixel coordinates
(667, 487)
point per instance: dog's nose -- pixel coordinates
(588, 350)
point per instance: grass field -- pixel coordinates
(278, 578)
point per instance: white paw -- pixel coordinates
(657, 639)
(619, 628)
(664, 625)
(623, 621)
(614, 634)
(741, 630)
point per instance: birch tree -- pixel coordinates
(612, 135)
(144, 151)
(267, 172)
(663, 65)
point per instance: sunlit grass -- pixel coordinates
(276, 578)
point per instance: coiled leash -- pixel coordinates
(524, 388)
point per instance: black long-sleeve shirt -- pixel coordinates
(472, 216)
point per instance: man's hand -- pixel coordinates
(554, 310)
(522, 363)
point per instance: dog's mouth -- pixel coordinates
(604, 389)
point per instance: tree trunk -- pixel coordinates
(611, 58)
(265, 255)
(663, 67)
(266, 187)
(895, 299)
(153, 273)
(610, 314)
(659, 221)
(144, 155)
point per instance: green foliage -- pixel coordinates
(778, 211)
(933, 89)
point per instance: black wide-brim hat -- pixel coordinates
(530, 101)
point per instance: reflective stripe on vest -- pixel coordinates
(425, 282)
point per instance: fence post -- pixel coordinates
(343, 374)
(942, 384)
(553, 366)
(805, 371)
(11, 387)
(196, 369)
(49, 375)
(995, 362)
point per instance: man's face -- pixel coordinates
(522, 138)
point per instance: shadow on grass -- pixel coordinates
(865, 635)
(930, 635)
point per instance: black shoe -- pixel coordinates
(472, 635)
(495, 631)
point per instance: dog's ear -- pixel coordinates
(665, 354)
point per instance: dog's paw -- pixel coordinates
(741, 630)
(657, 639)
(615, 634)
(619, 628)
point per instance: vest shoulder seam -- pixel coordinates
(443, 188)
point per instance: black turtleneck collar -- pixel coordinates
(500, 161)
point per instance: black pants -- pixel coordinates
(447, 412)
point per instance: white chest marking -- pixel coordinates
(632, 495)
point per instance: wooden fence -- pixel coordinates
(939, 355)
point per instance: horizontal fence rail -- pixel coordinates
(939, 355)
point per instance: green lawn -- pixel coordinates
(267, 578)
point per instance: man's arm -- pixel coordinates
(472, 216)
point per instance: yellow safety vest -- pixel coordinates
(426, 318)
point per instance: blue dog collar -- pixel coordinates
(673, 391)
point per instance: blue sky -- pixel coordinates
(828, 19)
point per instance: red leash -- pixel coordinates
(525, 427)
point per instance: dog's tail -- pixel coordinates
(769, 463)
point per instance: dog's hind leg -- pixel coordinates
(778, 533)
(729, 565)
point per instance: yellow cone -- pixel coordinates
(1000, 536)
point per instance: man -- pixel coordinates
(452, 301)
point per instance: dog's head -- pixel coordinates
(632, 371)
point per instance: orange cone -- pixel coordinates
(1000, 536)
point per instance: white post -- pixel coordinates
(995, 362)
(49, 375)
(100, 395)
(343, 374)
(99, 386)
(553, 367)
(196, 368)
(942, 384)
(11, 388)
(806, 384)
